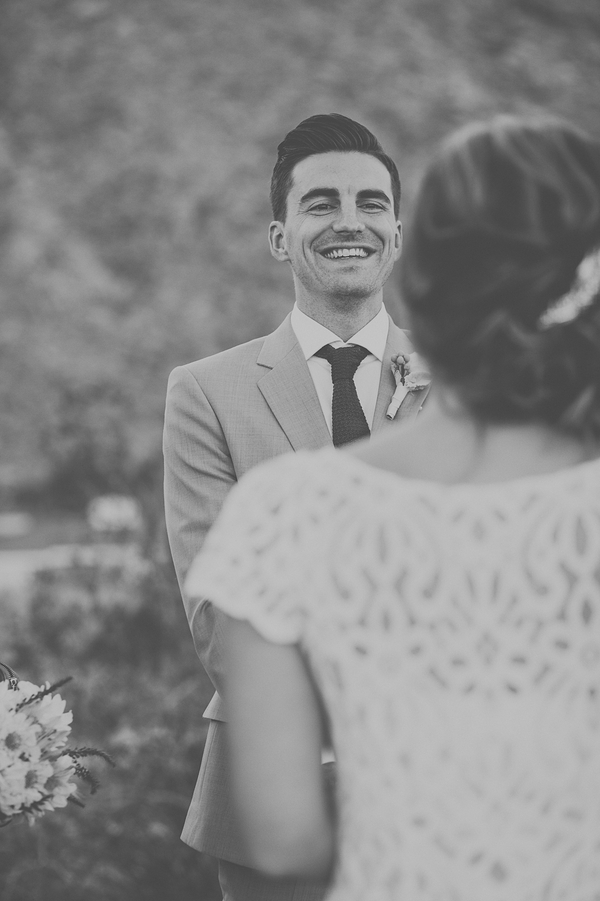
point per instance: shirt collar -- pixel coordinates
(312, 335)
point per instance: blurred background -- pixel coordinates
(137, 139)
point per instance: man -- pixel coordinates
(335, 197)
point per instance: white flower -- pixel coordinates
(58, 784)
(411, 374)
(12, 785)
(19, 736)
(49, 712)
(35, 765)
(34, 776)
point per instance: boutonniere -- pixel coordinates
(410, 374)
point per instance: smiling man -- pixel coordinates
(339, 232)
(324, 375)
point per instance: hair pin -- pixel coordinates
(583, 293)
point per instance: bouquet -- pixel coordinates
(36, 766)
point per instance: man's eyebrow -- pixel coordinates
(373, 194)
(320, 192)
(332, 193)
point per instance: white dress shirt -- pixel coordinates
(373, 336)
(312, 336)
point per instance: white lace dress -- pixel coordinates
(454, 632)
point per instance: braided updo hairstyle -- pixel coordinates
(506, 213)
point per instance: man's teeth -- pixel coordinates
(346, 252)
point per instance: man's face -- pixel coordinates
(340, 236)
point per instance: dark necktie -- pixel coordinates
(347, 418)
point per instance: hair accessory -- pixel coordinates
(580, 297)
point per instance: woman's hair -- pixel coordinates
(505, 214)
(324, 133)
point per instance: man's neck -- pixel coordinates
(344, 316)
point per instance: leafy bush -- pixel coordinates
(116, 624)
(136, 146)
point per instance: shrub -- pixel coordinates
(116, 624)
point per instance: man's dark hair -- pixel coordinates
(324, 133)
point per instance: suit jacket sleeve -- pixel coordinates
(199, 473)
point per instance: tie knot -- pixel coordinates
(344, 360)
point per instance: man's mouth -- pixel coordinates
(344, 253)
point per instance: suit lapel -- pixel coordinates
(289, 390)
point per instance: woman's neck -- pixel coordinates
(446, 444)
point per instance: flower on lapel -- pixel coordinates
(410, 374)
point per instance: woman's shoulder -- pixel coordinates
(333, 478)
(447, 464)
(304, 469)
(309, 481)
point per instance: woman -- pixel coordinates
(437, 591)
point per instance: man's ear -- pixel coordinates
(277, 242)
(398, 238)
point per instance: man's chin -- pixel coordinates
(352, 295)
(360, 282)
(353, 289)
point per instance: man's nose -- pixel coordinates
(348, 219)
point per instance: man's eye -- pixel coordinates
(371, 206)
(322, 207)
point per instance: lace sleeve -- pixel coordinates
(249, 565)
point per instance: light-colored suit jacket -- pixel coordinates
(224, 415)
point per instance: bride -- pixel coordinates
(430, 601)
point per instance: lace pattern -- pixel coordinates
(454, 632)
